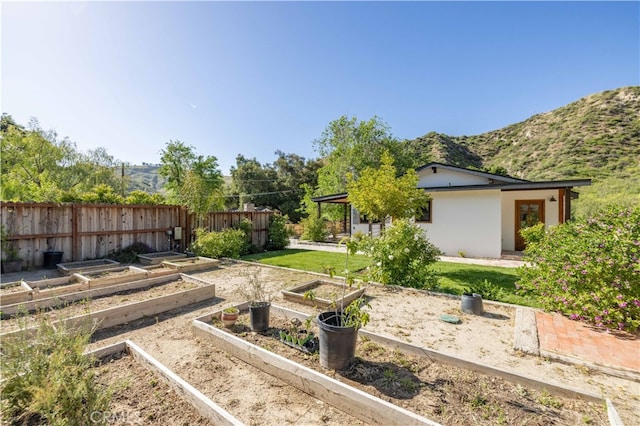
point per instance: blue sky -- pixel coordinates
(255, 77)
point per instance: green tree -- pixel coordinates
(193, 180)
(254, 183)
(37, 166)
(294, 173)
(347, 147)
(379, 194)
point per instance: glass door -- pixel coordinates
(528, 213)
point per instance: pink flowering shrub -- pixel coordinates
(588, 269)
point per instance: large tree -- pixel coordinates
(253, 182)
(38, 166)
(379, 193)
(277, 185)
(348, 146)
(193, 180)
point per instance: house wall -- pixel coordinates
(357, 226)
(446, 177)
(551, 212)
(466, 221)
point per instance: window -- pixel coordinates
(426, 213)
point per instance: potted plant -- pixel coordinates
(11, 261)
(229, 316)
(259, 302)
(338, 329)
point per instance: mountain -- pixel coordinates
(595, 137)
(144, 178)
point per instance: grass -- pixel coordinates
(455, 278)
(310, 260)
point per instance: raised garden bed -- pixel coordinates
(147, 392)
(118, 304)
(431, 390)
(192, 264)
(155, 258)
(87, 266)
(114, 276)
(321, 293)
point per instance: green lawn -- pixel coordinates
(455, 278)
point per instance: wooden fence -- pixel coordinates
(92, 231)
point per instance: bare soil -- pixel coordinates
(140, 397)
(409, 315)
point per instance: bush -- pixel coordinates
(278, 233)
(226, 243)
(313, 229)
(488, 290)
(589, 269)
(130, 254)
(246, 226)
(48, 379)
(402, 256)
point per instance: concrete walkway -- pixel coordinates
(337, 248)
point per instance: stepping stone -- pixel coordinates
(452, 319)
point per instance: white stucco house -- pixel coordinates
(478, 213)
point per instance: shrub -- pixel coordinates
(314, 229)
(48, 379)
(487, 290)
(278, 233)
(130, 254)
(403, 256)
(246, 226)
(589, 269)
(226, 243)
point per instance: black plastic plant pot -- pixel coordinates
(52, 258)
(471, 303)
(259, 316)
(337, 343)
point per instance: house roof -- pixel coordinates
(520, 185)
(517, 186)
(503, 183)
(494, 177)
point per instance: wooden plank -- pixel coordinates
(126, 313)
(612, 414)
(357, 403)
(17, 297)
(61, 299)
(216, 314)
(205, 406)
(106, 351)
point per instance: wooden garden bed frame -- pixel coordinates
(203, 405)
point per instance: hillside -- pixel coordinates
(147, 179)
(144, 178)
(595, 137)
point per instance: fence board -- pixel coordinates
(92, 231)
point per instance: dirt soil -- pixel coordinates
(141, 398)
(409, 315)
(443, 393)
